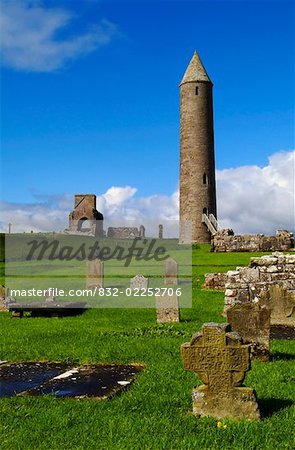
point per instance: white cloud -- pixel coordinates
(254, 199)
(118, 195)
(251, 199)
(29, 36)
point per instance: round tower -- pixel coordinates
(197, 162)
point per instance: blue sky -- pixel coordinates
(90, 95)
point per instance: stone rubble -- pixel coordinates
(226, 241)
(247, 284)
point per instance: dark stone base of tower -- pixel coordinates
(85, 210)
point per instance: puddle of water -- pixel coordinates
(61, 380)
(15, 378)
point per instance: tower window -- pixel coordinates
(197, 90)
(205, 179)
(205, 211)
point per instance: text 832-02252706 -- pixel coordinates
(137, 292)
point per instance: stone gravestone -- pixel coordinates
(2, 298)
(141, 231)
(167, 307)
(221, 361)
(281, 303)
(95, 274)
(171, 271)
(252, 322)
(139, 282)
(5, 299)
(49, 295)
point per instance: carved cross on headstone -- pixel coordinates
(221, 361)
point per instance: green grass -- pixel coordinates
(155, 412)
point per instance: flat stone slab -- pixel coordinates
(48, 309)
(282, 331)
(63, 380)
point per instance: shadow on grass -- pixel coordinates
(269, 406)
(277, 356)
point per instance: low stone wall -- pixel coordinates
(215, 281)
(246, 284)
(123, 232)
(226, 241)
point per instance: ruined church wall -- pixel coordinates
(245, 284)
(227, 241)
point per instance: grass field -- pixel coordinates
(155, 413)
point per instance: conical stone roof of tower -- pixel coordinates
(195, 71)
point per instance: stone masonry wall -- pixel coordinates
(123, 232)
(196, 159)
(215, 280)
(226, 241)
(245, 284)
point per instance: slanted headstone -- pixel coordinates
(252, 322)
(220, 359)
(171, 271)
(160, 231)
(167, 307)
(95, 274)
(139, 282)
(280, 301)
(49, 295)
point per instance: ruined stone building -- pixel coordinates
(85, 212)
(197, 162)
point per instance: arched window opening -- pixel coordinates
(197, 90)
(205, 179)
(205, 211)
(84, 224)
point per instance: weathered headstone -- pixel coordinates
(49, 295)
(167, 307)
(280, 301)
(2, 298)
(171, 271)
(252, 322)
(5, 298)
(139, 282)
(160, 231)
(142, 231)
(95, 274)
(220, 359)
